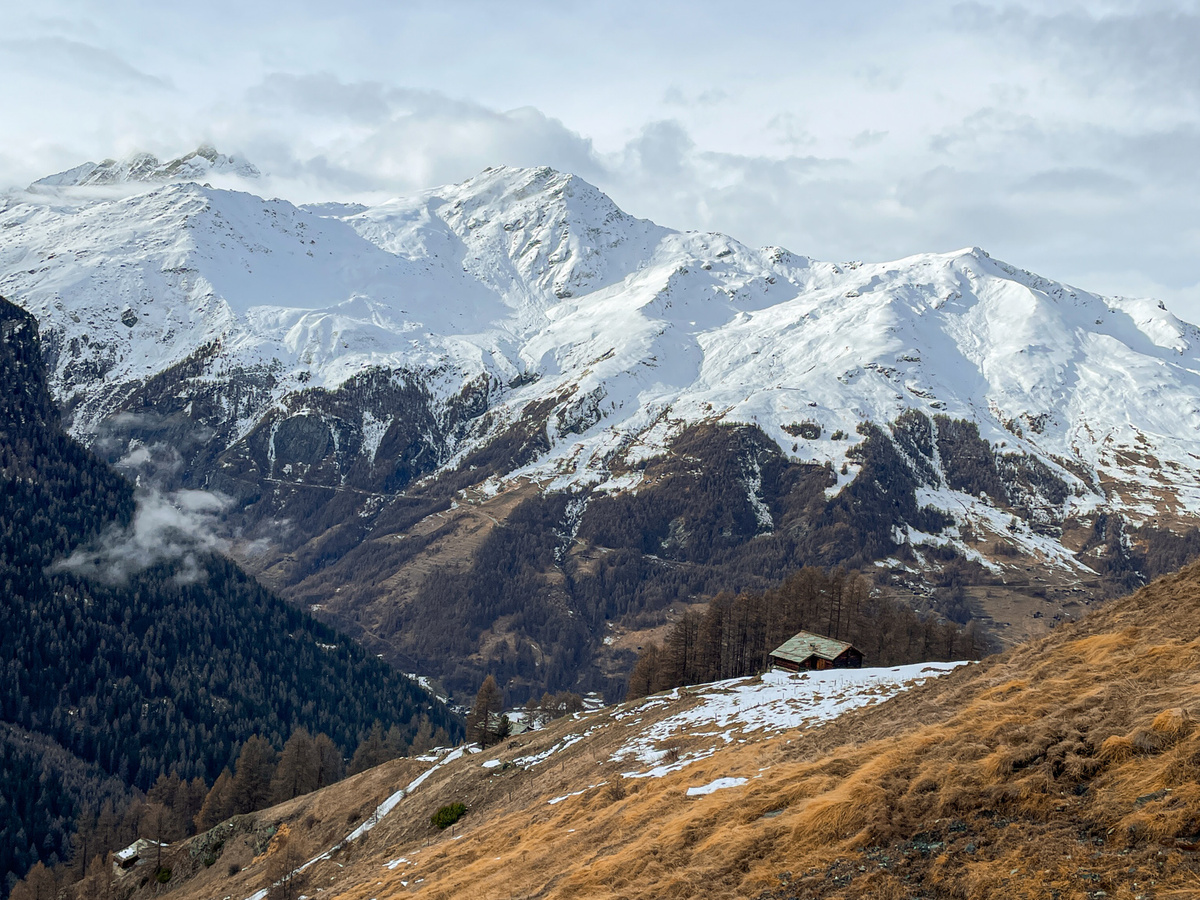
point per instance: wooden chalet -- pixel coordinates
(806, 651)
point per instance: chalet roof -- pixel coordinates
(804, 645)
(133, 851)
(129, 853)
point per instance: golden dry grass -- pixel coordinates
(1064, 768)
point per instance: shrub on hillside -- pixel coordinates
(447, 815)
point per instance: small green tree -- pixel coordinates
(447, 815)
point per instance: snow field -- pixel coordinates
(775, 701)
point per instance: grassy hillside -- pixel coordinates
(1065, 768)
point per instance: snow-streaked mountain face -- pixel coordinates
(366, 348)
(531, 272)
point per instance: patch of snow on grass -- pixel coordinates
(717, 785)
(774, 701)
(668, 768)
(575, 793)
(534, 759)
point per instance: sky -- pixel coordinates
(1059, 137)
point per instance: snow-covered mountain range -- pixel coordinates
(523, 273)
(523, 301)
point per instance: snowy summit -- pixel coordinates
(145, 167)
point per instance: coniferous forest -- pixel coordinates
(111, 685)
(735, 634)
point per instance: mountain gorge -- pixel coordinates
(505, 426)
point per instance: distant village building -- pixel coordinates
(807, 651)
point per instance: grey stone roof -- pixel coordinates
(801, 646)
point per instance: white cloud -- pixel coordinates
(1060, 138)
(370, 138)
(179, 527)
(71, 60)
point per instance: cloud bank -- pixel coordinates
(1058, 137)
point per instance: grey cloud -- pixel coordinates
(868, 139)
(1152, 48)
(879, 79)
(322, 94)
(325, 171)
(1075, 181)
(660, 150)
(1105, 158)
(64, 26)
(989, 130)
(823, 207)
(1166, 157)
(711, 97)
(791, 130)
(60, 56)
(325, 177)
(663, 174)
(673, 96)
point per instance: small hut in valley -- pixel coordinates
(807, 651)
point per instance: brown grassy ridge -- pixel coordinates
(1066, 768)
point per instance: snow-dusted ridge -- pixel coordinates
(534, 282)
(201, 163)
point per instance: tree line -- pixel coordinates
(735, 634)
(175, 808)
(172, 669)
(487, 723)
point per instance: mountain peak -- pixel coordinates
(555, 231)
(514, 192)
(146, 167)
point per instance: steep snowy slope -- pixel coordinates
(319, 363)
(534, 271)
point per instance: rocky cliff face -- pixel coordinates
(667, 414)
